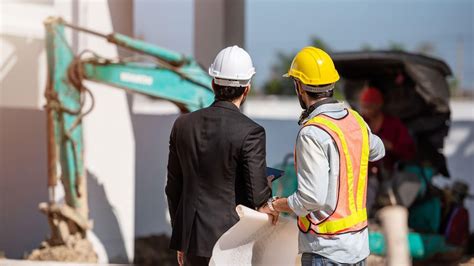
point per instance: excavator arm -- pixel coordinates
(165, 75)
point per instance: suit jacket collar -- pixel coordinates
(226, 105)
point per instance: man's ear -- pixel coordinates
(300, 89)
(247, 89)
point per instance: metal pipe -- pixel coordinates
(52, 151)
(173, 58)
(78, 28)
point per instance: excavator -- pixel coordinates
(164, 75)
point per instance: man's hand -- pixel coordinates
(180, 257)
(281, 205)
(269, 180)
(273, 214)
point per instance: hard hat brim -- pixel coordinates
(232, 83)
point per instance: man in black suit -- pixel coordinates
(216, 161)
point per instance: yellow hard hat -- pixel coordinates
(314, 67)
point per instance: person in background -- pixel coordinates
(216, 161)
(398, 143)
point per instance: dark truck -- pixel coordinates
(415, 89)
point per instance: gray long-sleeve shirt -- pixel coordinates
(318, 177)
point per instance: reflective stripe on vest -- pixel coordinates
(350, 213)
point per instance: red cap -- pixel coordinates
(371, 95)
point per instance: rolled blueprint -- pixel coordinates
(255, 241)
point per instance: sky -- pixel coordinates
(287, 26)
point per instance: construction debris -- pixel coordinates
(76, 249)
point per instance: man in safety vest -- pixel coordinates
(333, 148)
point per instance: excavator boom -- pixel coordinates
(165, 75)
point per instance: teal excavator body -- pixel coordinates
(165, 75)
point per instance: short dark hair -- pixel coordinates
(319, 95)
(329, 90)
(227, 93)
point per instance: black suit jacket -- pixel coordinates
(216, 161)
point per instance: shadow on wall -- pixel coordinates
(151, 135)
(281, 138)
(19, 70)
(105, 221)
(23, 180)
(151, 149)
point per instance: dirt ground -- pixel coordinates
(153, 250)
(75, 250)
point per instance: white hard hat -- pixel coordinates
(232, 67)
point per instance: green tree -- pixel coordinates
(278, 84)
(453, 84)
(396, 46)
(366, 47)
(319, 43)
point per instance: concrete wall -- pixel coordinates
(22, 180)
(217, 24)
(109, 142)
(459, 149)
(279, 118)
(22, 124)
(108, 136)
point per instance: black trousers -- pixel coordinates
(192, 260)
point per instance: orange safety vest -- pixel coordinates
(352, 139)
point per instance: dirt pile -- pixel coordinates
(154, 250)
(76, 249)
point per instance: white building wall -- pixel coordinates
(109, 143)
(23, 176)
(108, 135)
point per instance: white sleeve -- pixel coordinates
(313, 176)
(377, 149)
